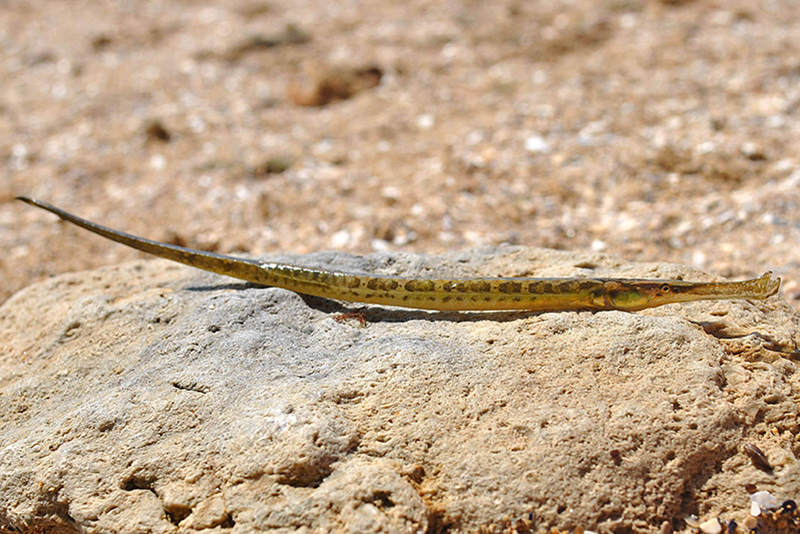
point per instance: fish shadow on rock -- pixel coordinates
(381, 314)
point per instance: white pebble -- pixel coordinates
(392, 193)
(59, 91)
(749, 149)
(379, 245)
(340, 239)
(755, 509)
(712, 526)
(765, 500)
(475, 137)
(536, 143)
(19, 151)
(425, 122)
(792, 181)
(598, 245)
(706, 148)
(158, 162)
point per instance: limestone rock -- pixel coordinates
(150, 397)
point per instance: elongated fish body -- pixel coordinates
(456, 294)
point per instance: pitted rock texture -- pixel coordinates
(155, 398)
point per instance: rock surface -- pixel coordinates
(154, 398)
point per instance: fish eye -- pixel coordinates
(665, 289)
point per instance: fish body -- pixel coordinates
(453, 294)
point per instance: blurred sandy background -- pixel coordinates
(652, 130)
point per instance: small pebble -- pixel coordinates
(712, 526)
(272, 165)
(340, 239)
(536, 144)
(764, 500)
(155, 131)
(757, 457)
(158, 162)
(755, 509)
(692, 521)
(750, 523)
(426, 121)
(666, 528)
(752, 152)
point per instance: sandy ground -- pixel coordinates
(656, 131)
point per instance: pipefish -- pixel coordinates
(453, 294)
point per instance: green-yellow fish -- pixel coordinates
(458, 294)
